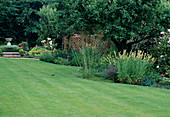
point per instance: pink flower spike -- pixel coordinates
(162, 33)
(169, 41)
(162, 75)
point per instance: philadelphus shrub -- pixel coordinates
(163, 50)
(48, 43)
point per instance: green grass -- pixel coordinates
(27, 89)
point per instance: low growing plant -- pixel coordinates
(110, 73)
(47, 57)
(61, 61)
(60, 53)
(24, 46)
(36, 51)
(21, 51)
(11, 48)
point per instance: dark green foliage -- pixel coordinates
(61, 61)
(47, 57)
(21, 51)
(0, 52)
(24, 45)
(11, 48)
(165, 81)
(161, 51)
(129, 24)
(148, 81)
(76, 59)
(19, 20)
(60, 53)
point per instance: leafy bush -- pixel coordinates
(0, 52)
(165, 81)
(21, 52)
(110, 73)
(76, 59)
(150, 79)
(47, 57)
(11, 48)
(60, 53)
(24, 46)
(132, 67)
(61, 61)
(162, 52)
(36, 51)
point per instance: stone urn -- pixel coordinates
(8, 39)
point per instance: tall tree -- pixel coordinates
(125, 22)
(19, 20)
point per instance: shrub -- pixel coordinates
(0, 52)
(60, 53)
(47, 57)
(162, 52)
(76, 59)
(11, 48)
(24, 46)
(36, 51)
(132, 67)
(21, 52)
(165, 81)
(61, 61)
(110, 73)
(150, 79)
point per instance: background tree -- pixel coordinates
(19, 20)
(134, 23)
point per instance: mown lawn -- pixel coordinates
(28, 89)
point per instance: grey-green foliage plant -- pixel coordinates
(132, 67)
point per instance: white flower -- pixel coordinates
(162, 33)
(159, 42)
(48, 39)
(43, 41)
(157, 66)
(169, 30)
(162, 56)
(50, 42)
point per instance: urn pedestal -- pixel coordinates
(8, 39)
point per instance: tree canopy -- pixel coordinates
(128, 23)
